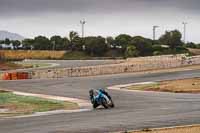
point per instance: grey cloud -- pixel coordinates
(15, 7)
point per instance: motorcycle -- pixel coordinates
(101, 97)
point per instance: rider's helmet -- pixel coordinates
(101, 89)
(91, 92)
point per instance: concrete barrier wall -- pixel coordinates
(131, 65)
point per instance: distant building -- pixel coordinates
(4, 46)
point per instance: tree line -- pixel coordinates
(121, 45)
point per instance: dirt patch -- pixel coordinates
(11, 66)
(186, 129)
(176, 86)
(194, 51)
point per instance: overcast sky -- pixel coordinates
(104, 17)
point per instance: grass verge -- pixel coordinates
(14, 105)
(12, 66)
(184, 129)
(76, 56)
(177, 86)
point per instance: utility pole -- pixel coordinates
(83, 22)
(154, 32)
(184, 31)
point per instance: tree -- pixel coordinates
(16, 44)
(131, 51)
(28, 44)
(57, 43)
(171, 38)
(143, 45)
(1, 41)
(42, 43)
(191, 45)
(75, 41)
(111, 42)
(95, 46)
(123, 40)
(198, 46)
(66, 43)
(7, 41)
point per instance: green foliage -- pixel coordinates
(95, 46)
(123, 40)
(76, 55)
(180, 50)
(66, 43)
(198, 46)
(143, 45)
(7, 41)
(42, 43)
(1, 41)
(157, 53)
(111, 42)
(16, 43)
(122, 45)
(158, 48)
(59, 43)
(75, 41)
(26, 104)
(191, 45)
(131, 51)
(114, 53)
(28, 44)
(171, 38)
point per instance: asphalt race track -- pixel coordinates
(73, 63)
(134, 110)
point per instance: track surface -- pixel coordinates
(134, 110)
(74, 63)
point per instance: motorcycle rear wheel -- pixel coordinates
(105, 104)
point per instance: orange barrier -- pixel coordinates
(6, 76)
(15, 76)
(22, 75)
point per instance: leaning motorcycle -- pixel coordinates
(101, 97)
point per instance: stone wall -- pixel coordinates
(129, 66)
(156, 59)
(150, 63)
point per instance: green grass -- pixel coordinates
(34, 65)
(4, 65)
(18, 105)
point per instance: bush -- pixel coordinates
(180, 50)
(157, 53)
(76, 55)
